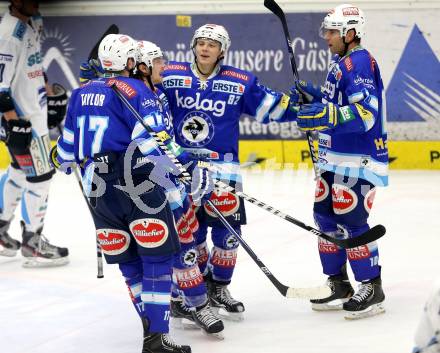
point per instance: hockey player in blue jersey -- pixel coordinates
(187, 278)
(206, 100)
(135, 229)
(349, 113)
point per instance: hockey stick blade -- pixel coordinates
(113, 29)
(320, 292)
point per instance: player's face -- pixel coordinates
(334, 41)
(158, 67)
(27, 7)
(207, 51)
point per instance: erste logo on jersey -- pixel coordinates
(226, 202)
(228, 87)
(208, 105)
(113, 241)
(344, 199)
(149, 232)
(196, 129)
(177, 81)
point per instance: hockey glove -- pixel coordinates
(90, 70)
(202, 184)
(317, 116)
(18, 134)
(308, 91)
(64, 167)
(56, 106)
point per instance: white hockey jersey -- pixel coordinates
(427, 338)
(21, 69)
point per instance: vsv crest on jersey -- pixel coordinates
(113, 241)
(216, 107)
(228, 87)
(149, 232)
(344, 199)
(226, 202)
(196, 129)
(175, 81)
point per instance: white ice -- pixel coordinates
(68, 309)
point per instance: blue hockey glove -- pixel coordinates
(295, 98)
(317, 116)
(202, 184)
(90, 70)
(310, 93)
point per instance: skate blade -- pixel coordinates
(218, 335)
(373, 310)
(8, 252)
(330, 306)
(223, 314)
(183, 324)
(38, 262)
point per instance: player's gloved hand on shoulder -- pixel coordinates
(56, 106)
(202, 184)
(18, 134)
(317, 116)
(90, 70)
(54, 160)
(309, 92)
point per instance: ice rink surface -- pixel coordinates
(68, 310)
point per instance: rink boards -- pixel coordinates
(278, 154)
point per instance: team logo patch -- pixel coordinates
(369, 199)
(184, 231)
(196, 129)
(175, 67)
(187, 278)
(149, 232)
(344, 199)
(321, 190)
(189, 258)
(326, 247)
(230, 242)
(113, 241)
(350, 11)
(359, 253)
(226, 202)
(235, 74)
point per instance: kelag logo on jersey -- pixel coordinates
(216, 107)
(227, 87)
(413, 94)
(196, 129)
(175, 81)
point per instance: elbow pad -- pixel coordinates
(6, 103)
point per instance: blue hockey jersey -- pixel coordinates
(357, 147)
(98, 122)
(206, 113)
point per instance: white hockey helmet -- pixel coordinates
(147, 52)
(343, 18)
(214, 32)
(114, 51)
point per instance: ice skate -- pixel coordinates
(181, 316)
(222, 301)
(38, 252)
(206, 319)
(8, 245)
(368, 301)
(162, 343)
(341, 292)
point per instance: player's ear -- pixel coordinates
(130, 64)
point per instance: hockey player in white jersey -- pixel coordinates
(23, 105)
(427, 338)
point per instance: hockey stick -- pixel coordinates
(369, 236)
(288, 292)
(277, 11)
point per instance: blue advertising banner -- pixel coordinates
(258, 45)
